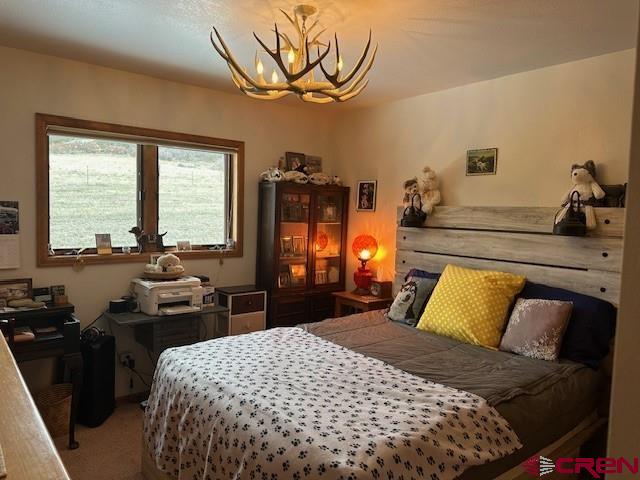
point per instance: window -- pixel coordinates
(104, 178)
(196, 180)
(92, 189)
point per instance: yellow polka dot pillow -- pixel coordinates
(471, 305)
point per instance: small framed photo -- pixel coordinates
(294, 160)
(313, 163)
(58, 290)
(366, 201)
(153, 258)
(286, 246)
(284, 280)
(483, 161)
(321, 277)
(329, 212)
(15, 290)
(103, 243)
(298, 273)
(183, 245)
(299, 246)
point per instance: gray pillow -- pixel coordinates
(411, 299)
(536, 328)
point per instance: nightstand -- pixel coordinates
(362, 303)
(247, 310)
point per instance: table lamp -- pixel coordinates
(364, 248)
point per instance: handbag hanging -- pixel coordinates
(413, 216)
(571, 220)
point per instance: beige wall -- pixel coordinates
(624, 432)
(541, 121)
(31, 83)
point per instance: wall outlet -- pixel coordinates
(127, 360)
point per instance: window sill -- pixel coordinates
(95, 259)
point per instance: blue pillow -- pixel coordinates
(414, 272)
(591, 326)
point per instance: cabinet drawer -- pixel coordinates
(252, 302)
(290, 306)
(247, 323)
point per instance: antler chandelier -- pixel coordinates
(298, 72)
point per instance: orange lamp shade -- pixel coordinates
(364, 247)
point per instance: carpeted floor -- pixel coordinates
(108, 452)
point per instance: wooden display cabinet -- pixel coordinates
(302, 248)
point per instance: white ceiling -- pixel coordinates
(425, 45)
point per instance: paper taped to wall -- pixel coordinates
(9, 251)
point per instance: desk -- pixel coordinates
(64, 344)
(363, 303)
(29, 452)
(157, 333)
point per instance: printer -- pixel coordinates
(171, 297)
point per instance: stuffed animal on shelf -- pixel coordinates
(336, 180)
(584, 182)
(272, 174)
(319, 178)
(428, 190)
(296, 177)
(410, 189)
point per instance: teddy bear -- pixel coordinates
(428, 190)
(319, 178)
(584, 182)
(410, 189)
(272, 174)
(296, 177)
(165, 263)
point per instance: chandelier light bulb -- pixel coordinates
(274, 77)
(259, 67)
(291, 56)
(340, 63)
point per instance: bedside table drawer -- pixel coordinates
(247, 323)
(252, 302)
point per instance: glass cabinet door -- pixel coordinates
(328, 239)
(294, 238)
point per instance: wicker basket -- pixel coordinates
(54, 403)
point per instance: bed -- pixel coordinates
(480, 413)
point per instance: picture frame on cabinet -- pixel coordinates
(286, 246)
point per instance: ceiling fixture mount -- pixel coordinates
(299, 68)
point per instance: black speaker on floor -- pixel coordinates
(97, 400)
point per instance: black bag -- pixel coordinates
(413, 216)
(574, 223)
(614, 196)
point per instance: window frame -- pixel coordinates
(147, 139)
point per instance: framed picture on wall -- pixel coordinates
(20, 289)
(366, 201)
(483, 161)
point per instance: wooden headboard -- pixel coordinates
(517, 240)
